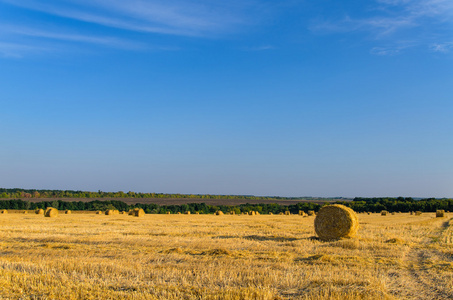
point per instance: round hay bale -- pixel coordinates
(68, 212)
(281, 214)
(51, 212)
(270, 213)
(384, 213)
(311, 212)
(301, 213)
(257, 213)
(393, 213)
(251, 213)
(99, 212)
(287, 213)
(187, 213)
(440, 213)
(25, 212)
(123, 212)
(109, 212)
(178, 213)
(368, 213)
(39, 211)
(168, 213)
(232, 212)
(411, 213)
(418, 213)
(4, 211)
(139, 212)
(219, 213)
(336, 221)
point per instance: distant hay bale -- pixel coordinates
(270, 213)
(219, 213)
(4, 211)
(51, 212)
(281, 214)
(178, 213)
(311, 212)
(257, 213)
(418, 213)
(138, 212)
(440, 213)
(252, 213)
(232, 212)
(411, 213)
(393, 213)
(287, 213)
(39, 211)
(109, 212)
(168, 213)
(384, 213)
(187, 213)
(336, 221)
(197, 213)
(68, 212)
(123, 212)
(99, 212)
(368, 213)
(116, 212)
(302, 213)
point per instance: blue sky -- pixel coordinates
(289, 98)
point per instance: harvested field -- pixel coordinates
(233, 257)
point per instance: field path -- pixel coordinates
(422, 279)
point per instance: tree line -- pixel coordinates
(17, 193)
(358, 204)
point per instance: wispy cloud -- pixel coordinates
(18, 50)
(190, 18)
(6, 29)
(421, 21)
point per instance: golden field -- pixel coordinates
(88, 256)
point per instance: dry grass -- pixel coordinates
(234, 257)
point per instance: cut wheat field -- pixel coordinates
(88, 256)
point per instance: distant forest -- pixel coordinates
(17, 193)
(358, 204)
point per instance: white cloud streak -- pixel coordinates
(188, 18)
(421, 21)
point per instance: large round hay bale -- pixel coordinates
(39, 211)
(336, 221)
(219, 213)
(440, 213)
(68, 212)
(138, 212)
(51, 212)
(384, 213)
(4, 211)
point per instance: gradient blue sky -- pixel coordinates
(289, 98)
